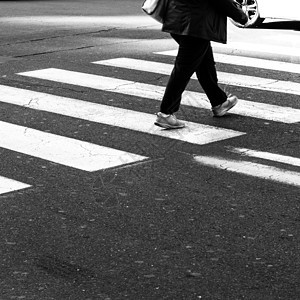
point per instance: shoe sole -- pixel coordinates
(223, 112)
(167, 126)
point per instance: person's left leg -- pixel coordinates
(190, 55)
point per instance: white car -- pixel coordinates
(258, 10)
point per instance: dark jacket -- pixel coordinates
(206, 19)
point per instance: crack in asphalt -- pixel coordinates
(119, 86)
(36, 100)
(63, 36)
(58, 36)
(54, 51)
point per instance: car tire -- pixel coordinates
(250, 7)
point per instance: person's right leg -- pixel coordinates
(207, 77)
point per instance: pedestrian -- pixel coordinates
(193, 24)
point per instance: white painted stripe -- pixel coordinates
(248, 62)
(66, 151)
(252, 47)
(294, 161)
(245, 108)
(194, 133)
(225, 78)
(251, 169)
(8, 185)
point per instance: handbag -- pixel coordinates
(155, 9)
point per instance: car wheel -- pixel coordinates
(250, 7)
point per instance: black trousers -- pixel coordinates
(194, 55)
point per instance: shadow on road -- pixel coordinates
(286, 25)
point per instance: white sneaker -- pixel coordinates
(168, 121)
(223, 108)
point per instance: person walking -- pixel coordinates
(193, 24)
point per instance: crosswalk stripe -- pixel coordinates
(245, 108)
(294, 161)
(194, 133)
(251, 169)
(9, 185)
(262, 49)
(252, 82)
(248, 62)
(62, 150)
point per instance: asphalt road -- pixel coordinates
(97, 203)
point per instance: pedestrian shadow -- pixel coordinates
(284, 25)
